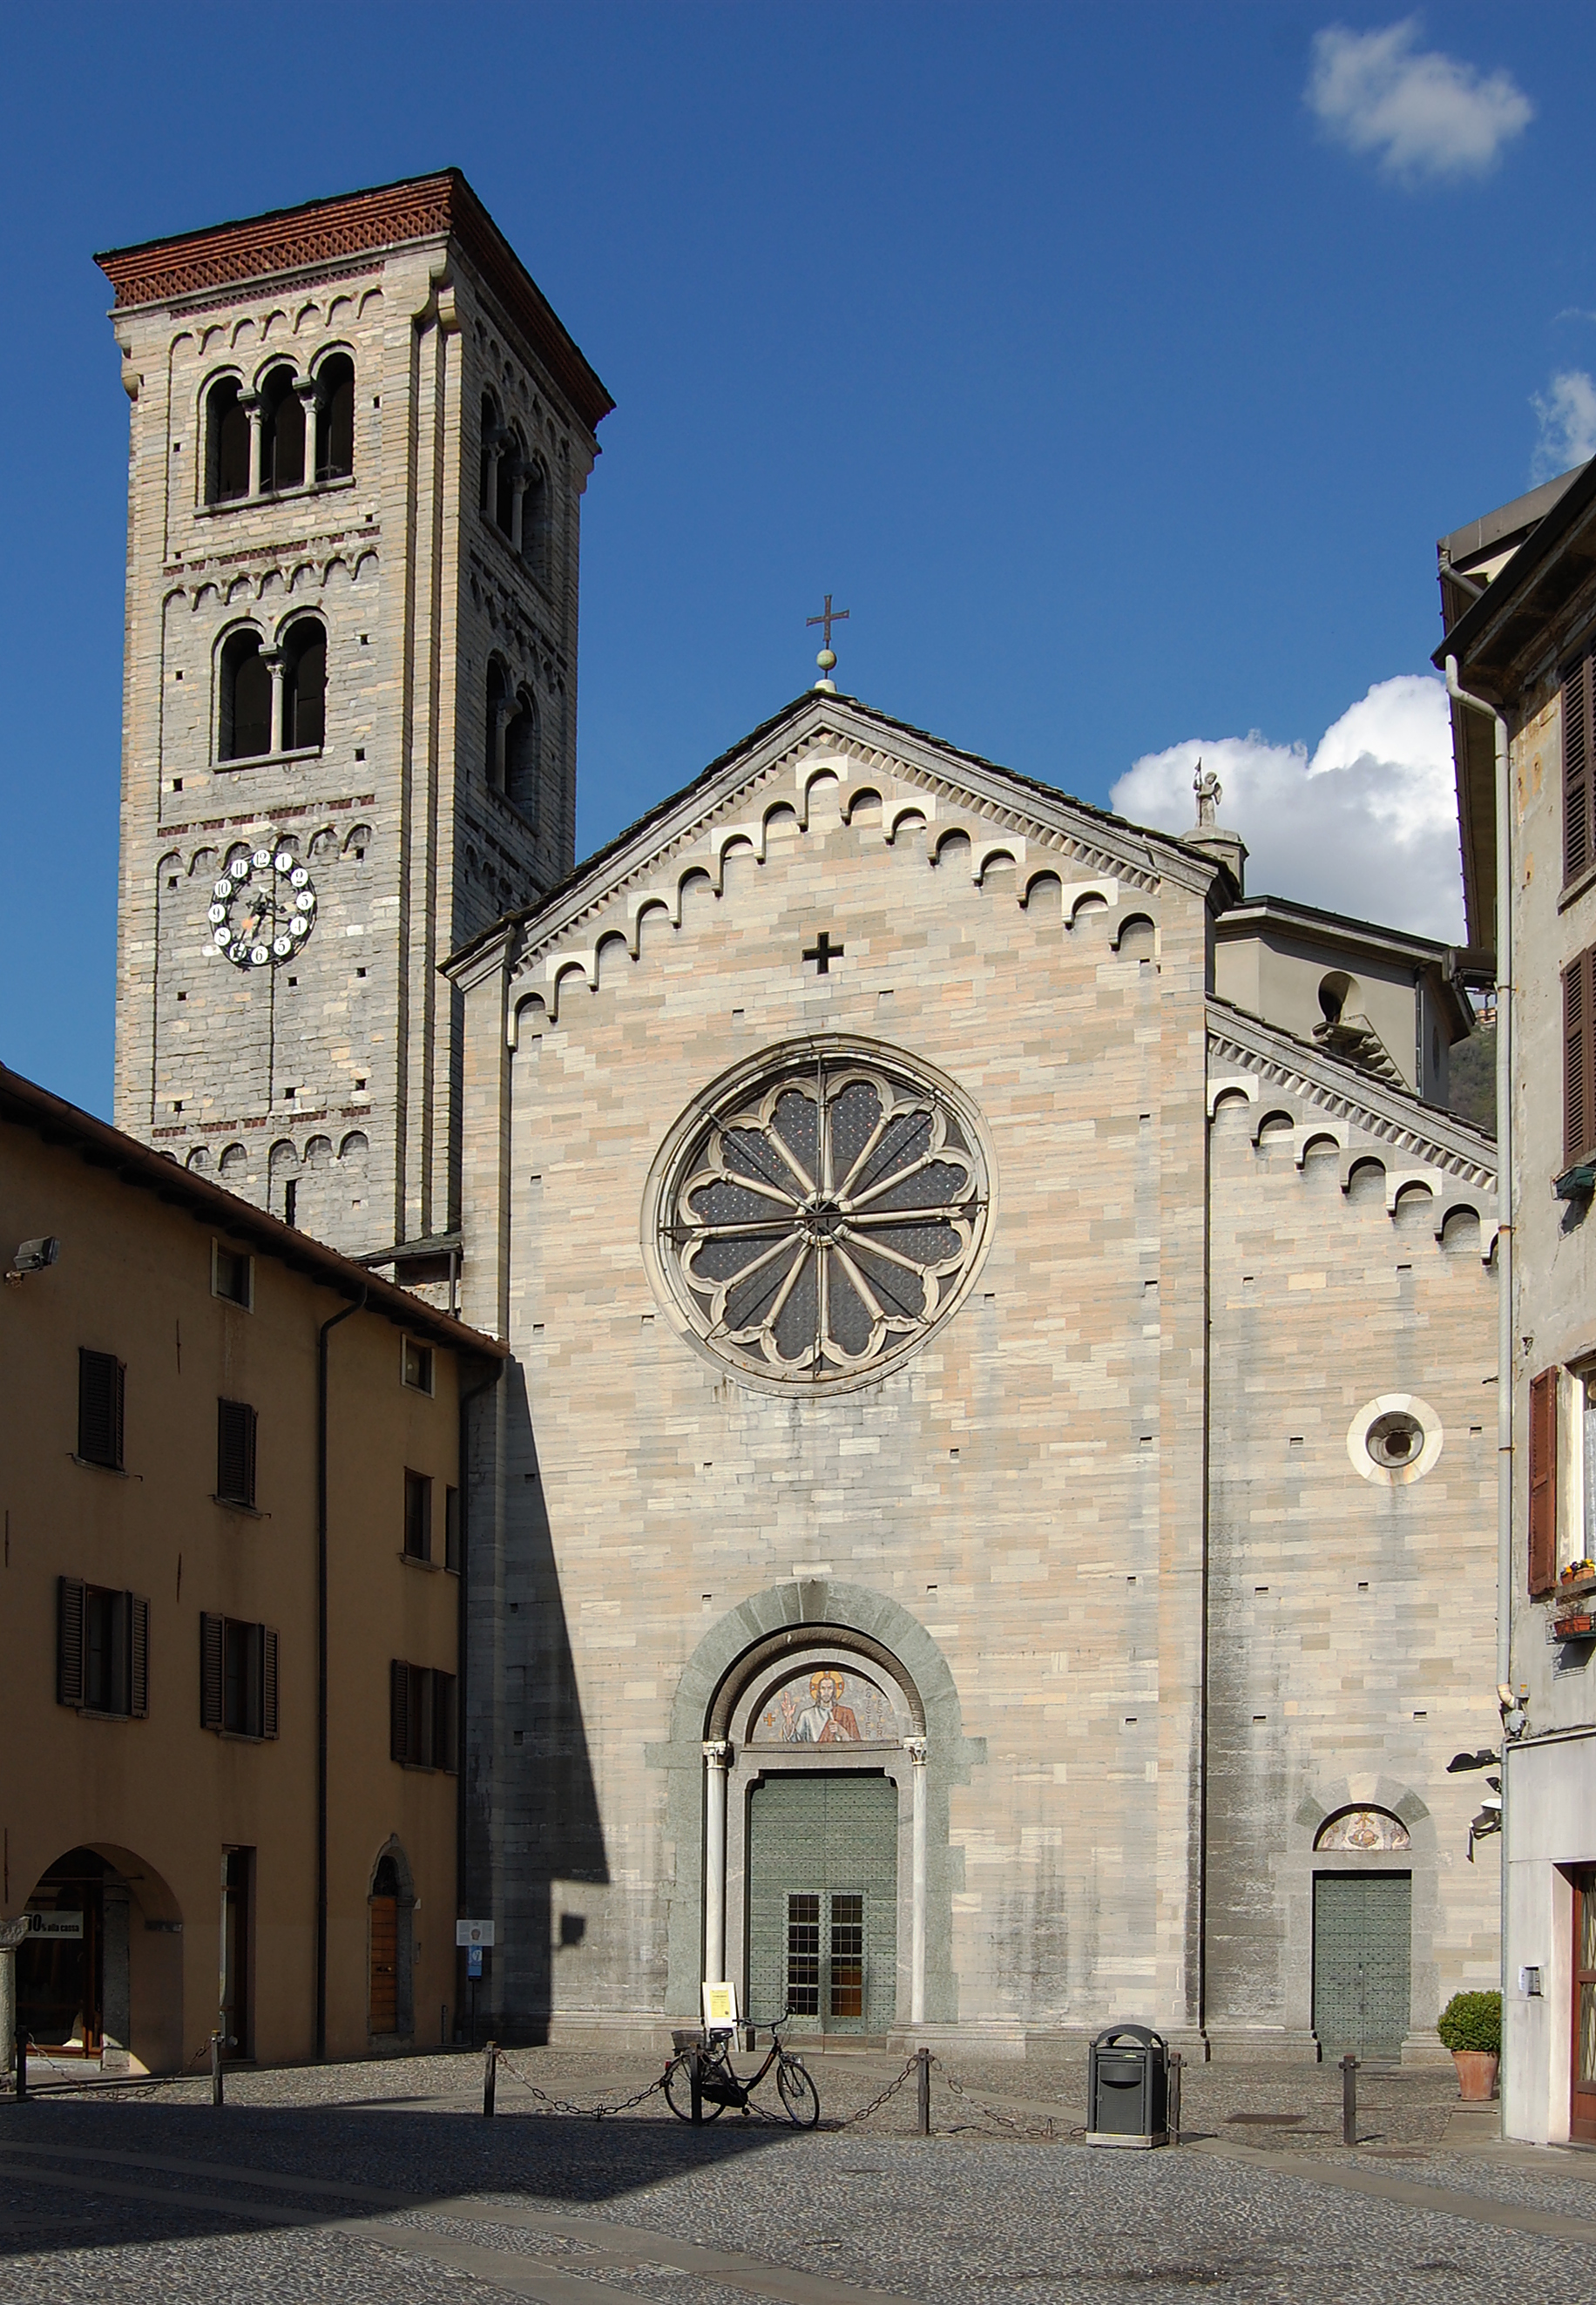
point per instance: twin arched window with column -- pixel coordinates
(515, 487)
(513, 741)
(272, 699)
(289, 432)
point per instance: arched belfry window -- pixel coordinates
(226, 442)
(499, 709)
(244, 723)
(534, 514)
(506, 485)
(491, 451)
(304, 685)
(282, 432)
(521, 754)
(335, 418)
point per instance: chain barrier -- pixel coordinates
(78, 2083)
(580, 2112)
(876, 2102)
(1046, 2131)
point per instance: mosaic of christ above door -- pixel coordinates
(826, 1705)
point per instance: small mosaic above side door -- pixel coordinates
(828, 1705)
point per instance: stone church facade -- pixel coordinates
(987, 1525)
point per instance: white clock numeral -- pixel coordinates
(282, 946)
(239, 868)
(223, 935)
(283, 860)
(299, 878)
(261, 859)
(217, 912)
(299, 926)
(304, 902)
(222, 889)
(259, 956)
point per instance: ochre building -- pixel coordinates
(231, 1691)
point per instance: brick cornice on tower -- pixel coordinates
(391, 215)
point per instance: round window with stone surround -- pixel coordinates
(1394, 1439)
(816, 1215)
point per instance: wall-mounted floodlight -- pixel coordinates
(33, 1255)
(1479, 1760)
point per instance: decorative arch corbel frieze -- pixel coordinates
(1315, 1111)
(787, 790)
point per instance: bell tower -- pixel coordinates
(359, 439)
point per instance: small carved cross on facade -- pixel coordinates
(823, 952)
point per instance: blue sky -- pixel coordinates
(1119, 389)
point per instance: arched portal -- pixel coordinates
(99, 1975)
(815, 1846)
(851, 1658)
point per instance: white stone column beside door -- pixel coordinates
(718, 1752)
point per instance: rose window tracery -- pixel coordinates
(820, 1219)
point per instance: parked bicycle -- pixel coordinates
(720, 2084)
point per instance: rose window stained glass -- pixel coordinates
(823, 1218)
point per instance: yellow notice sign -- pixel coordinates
(721, 2007)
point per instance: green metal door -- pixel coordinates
(822, 1901)
(1363, 1955)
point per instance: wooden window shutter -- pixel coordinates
(399, 1711)
(268, 1678)
(68, 1646)
(1577, 765)
(442, 1721)
(100, 1392)
(212, 1640)
(1577, 1029)
(138, 1679)
(1544, 1483)
(235, 1452)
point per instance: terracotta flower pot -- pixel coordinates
(1476, 2075)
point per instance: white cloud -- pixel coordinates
(1420, 113)
(1568, 414)
(1368, 826)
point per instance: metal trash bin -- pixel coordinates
(1127, 2087)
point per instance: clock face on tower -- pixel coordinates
(262, 908)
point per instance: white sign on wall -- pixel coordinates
(54, 1924)
(473, 1933)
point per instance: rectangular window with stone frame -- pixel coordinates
(102, 1650)
(421, 1716)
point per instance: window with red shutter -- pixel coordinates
(1579, 1111)
(1544, 1483)
(1579, 759)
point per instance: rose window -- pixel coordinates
(820, 1219)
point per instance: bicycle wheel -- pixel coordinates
(797, 2093)
(678, 2094)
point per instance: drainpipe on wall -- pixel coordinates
(321, 1451)
(1504, 1097)
(462, 1637)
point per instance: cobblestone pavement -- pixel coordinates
(382, 2183)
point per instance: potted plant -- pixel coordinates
(1471, 2025)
